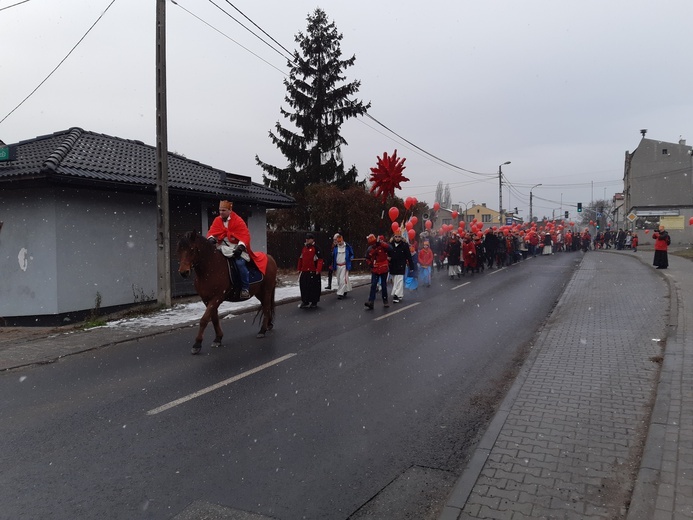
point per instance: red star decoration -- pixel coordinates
(387, 176)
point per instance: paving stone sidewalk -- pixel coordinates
(568, 439)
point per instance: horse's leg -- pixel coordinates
(267, 302)
(217, 329)
(263, 303)
(210, 311)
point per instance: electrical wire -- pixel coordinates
(422, 150)
(227, 36)
(59, 64)
(13, 5)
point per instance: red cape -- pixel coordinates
(237, 232)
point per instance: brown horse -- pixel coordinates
(214, 285)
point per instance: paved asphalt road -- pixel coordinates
(346, 412)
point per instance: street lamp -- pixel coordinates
(531, 217)
(466, 205)
(500, 191)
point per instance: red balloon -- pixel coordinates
(462, 224)
(409, 225)
(394, 226)
(407, 203)
(436, 206)
(414, 201)
(647, 231)
(414, 220)
(428, 225)
(412, 234)
(394, 213)
(455, 214)
(690, 221)
(571, 223)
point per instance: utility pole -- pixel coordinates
(531, 215)
(163, 256)
(500, 192)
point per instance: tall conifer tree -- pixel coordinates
(320, 101)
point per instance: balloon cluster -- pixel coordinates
(409, 225)
(387, 176)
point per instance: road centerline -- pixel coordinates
(458, 286)
(218, 385)
(397, 311)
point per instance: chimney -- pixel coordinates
(682, 142)
(643, 132)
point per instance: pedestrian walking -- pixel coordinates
(342, 254)
(330, 265)
(309, 267)
(453, 252)
(425, 263)
(400, 258)
(377, 259)
(661, 255)
(548, 245)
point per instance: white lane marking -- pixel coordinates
(498, 270)
(395, 312)
(458, 286)
(233, 379)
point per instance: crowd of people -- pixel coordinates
(408, 260)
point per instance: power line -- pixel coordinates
(226, 36)
(14, 5)
(427, 153)
(263, 31)
(61, 61)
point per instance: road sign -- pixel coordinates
(508, 221)
(8, 153)
(632, 216)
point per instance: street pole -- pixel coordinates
(163, 257)
(500, 192)
(531, 215)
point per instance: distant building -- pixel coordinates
(78, 222)
(658, 188)
(486, 217)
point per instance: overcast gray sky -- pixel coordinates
(561, 88)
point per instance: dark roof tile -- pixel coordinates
(81, 156)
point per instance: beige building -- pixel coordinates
(483, 215)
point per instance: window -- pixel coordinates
(485, 218)
(665, 151)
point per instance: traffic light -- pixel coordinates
(566, 214)
(579, 207)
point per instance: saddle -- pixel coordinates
(254, 275)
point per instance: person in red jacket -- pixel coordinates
(232, 237)
(468, 254)
(376, 258)
(426, 263)
(310, 266)
(661, 254)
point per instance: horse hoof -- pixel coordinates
(260, 335)
(195, 350)
(217, 344)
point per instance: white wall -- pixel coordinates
(28, 270)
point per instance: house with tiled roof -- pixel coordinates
(78, 222)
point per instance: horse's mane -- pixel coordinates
(187, 240)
